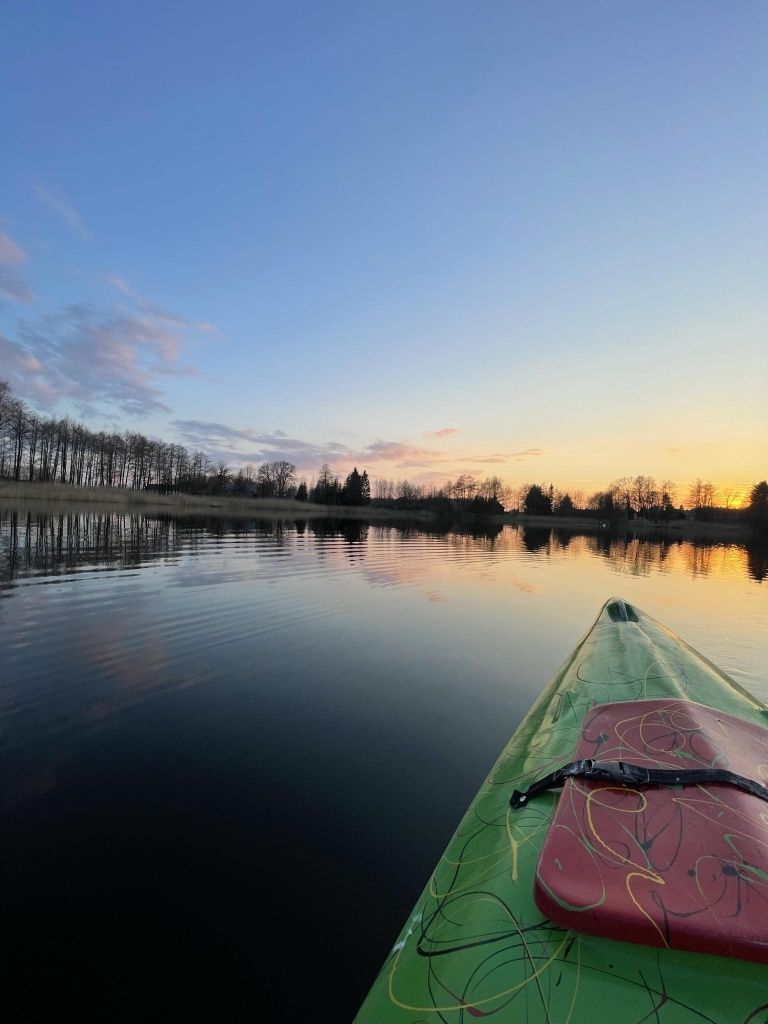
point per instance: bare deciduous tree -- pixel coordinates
(729, 495)
(284, 476)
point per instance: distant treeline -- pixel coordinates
(643, 497)
(627, 497)
(46, 449)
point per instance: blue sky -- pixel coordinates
(335, 230)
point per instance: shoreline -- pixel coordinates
(675, 529)
(62, 496)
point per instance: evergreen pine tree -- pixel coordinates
(365, 489)
(352, 493)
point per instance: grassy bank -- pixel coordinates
(148, 501)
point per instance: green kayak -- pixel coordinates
(476, 945)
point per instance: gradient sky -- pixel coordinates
(425, 238)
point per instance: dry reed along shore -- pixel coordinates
(148, 501)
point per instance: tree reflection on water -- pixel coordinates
(49, 543)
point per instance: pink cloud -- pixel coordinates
(401, 452)
(445, 432)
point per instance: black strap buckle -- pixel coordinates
(614, 771)
(608, 771)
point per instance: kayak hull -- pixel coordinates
(477, 946)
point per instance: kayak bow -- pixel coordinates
(476, 944)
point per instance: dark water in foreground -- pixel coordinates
(233, 751)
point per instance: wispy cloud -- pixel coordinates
(11, 284)
(100, 359)
(11, 253)
(445, 432)
(244, 445)
(411, 457)
(240, 445)
(118, 282)
(174, 318)
(229, 442)
(526, 453)
(58, 202)
(401, 453)
(209, 430)
(12, 287)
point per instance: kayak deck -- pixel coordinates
(477, 946)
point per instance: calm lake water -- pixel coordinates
(232, 751)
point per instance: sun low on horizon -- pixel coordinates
(424, 241)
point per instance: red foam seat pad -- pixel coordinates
(678, 866)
